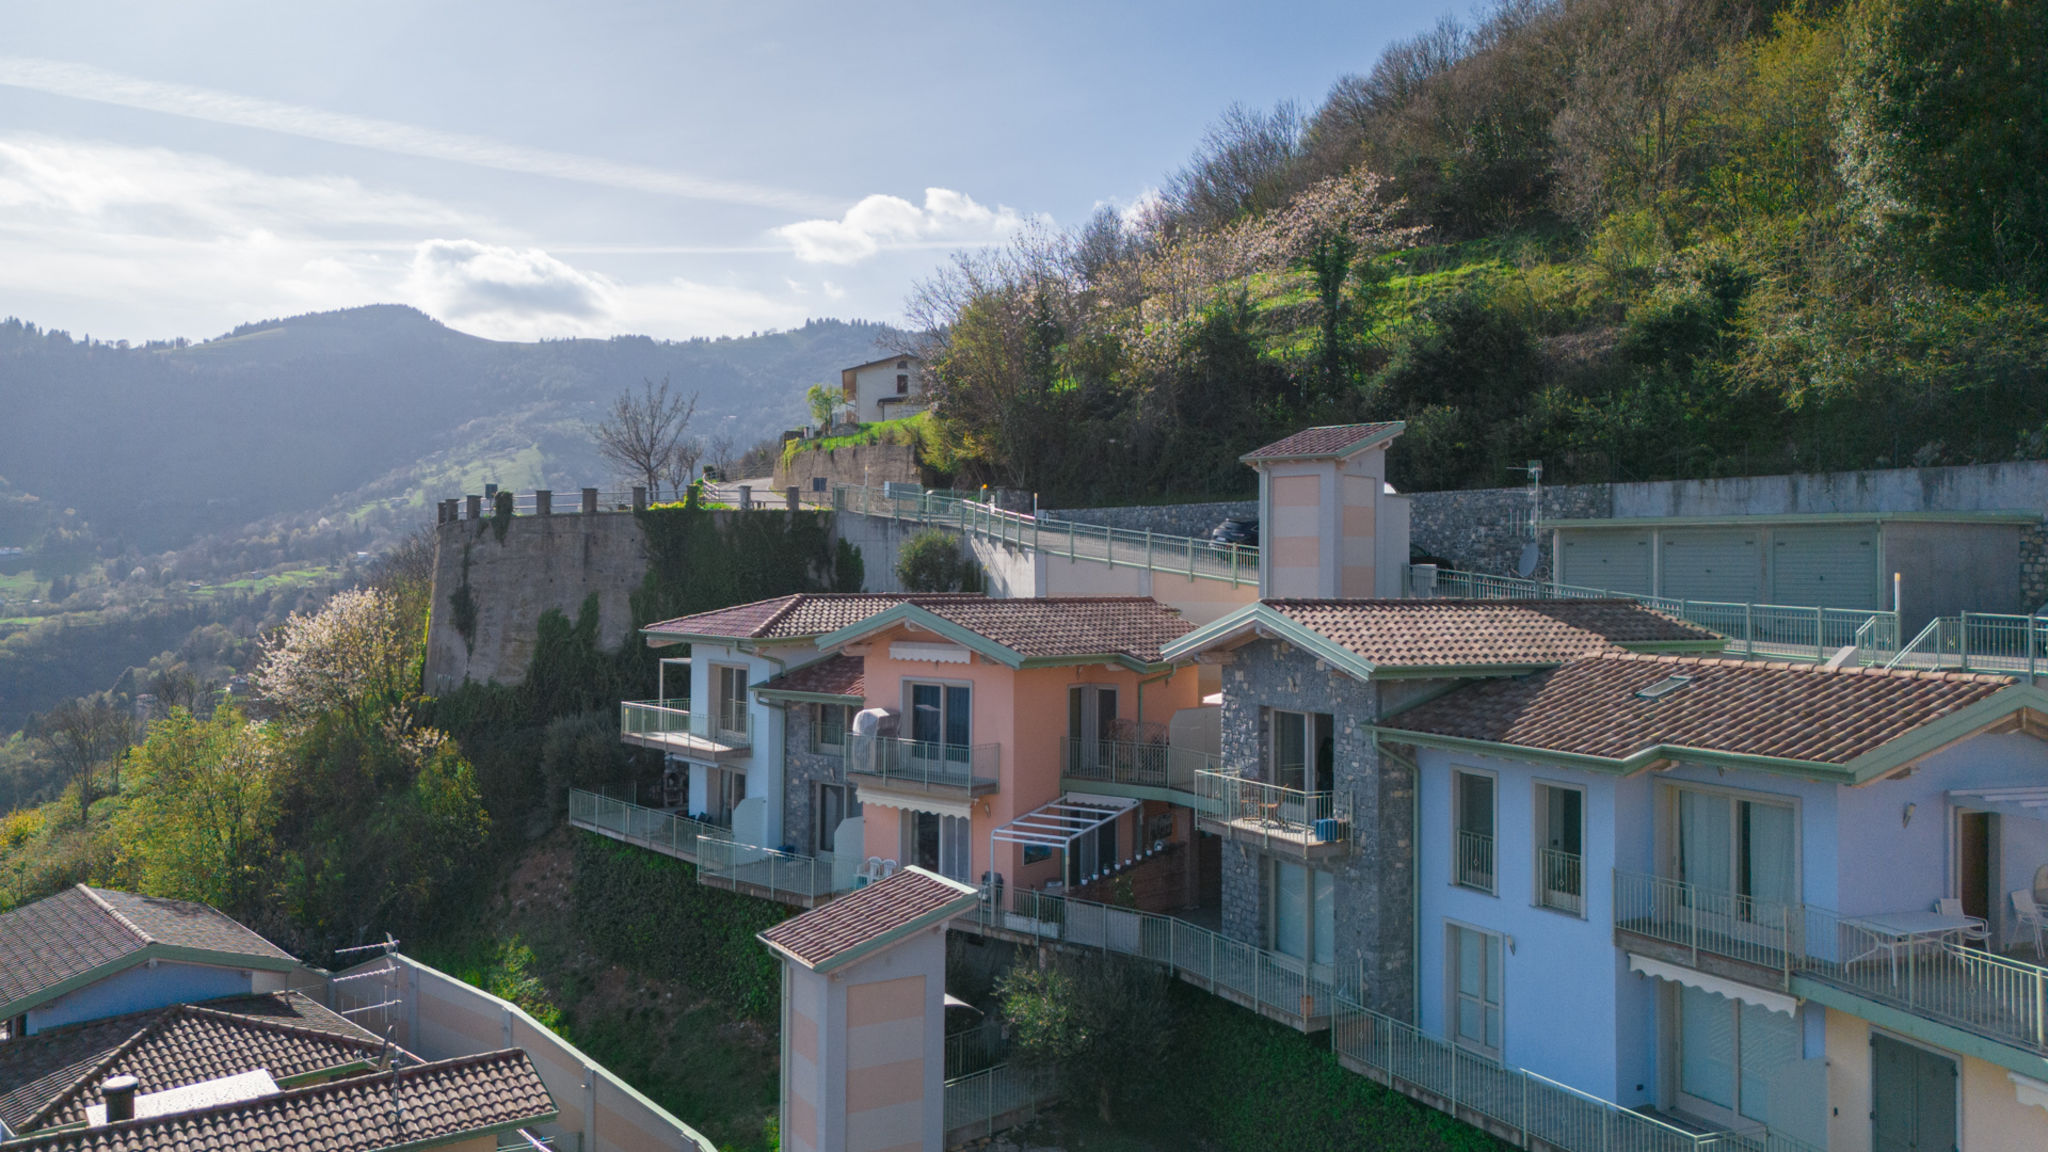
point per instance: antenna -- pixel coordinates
(388, 971)
(1532, 549)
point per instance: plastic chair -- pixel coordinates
(2027, 918)
(888, 868)
(1979, 930)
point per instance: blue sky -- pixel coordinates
(526, 170)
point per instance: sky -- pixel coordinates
(525, 170)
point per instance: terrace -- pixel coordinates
(670, 726)
(1141, 770)
(1279, 820)
(954, 771)
(1915, 963)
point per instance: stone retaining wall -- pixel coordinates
(1163, 519)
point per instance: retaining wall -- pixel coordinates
(1165, 519)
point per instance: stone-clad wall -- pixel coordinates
(1485, 529)
(1374, 884)
(1164, 519)
(801, 770)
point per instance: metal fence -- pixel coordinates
(983, 1103)
(1979, 642)
(1187, 556)
(733, 727)
(926, 763)
(778, 875)
(1475, 860)
(1467, 1083)
(1259, 808)
(1775, 630)
(651, 828)
(1561, 880)
(1138, 764)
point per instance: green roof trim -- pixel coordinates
(907, 613)
(2005, 1055)
(1264, 621)
(143, 955)
(959, 905)
(805, 697)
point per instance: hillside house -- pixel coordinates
(885, 389)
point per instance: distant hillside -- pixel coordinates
(324, 412)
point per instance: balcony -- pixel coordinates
(1145, 769)
(670, 726)
(957, 771)
(650, 828)
(1820, 954)
(1285, 821)
(785, 877)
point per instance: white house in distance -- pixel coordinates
(885, 389)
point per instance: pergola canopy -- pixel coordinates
(1063, 821)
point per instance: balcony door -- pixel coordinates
(731, 700)
(1091, 727)
(1304, 751)
(1560, 854)
(936, 843)
(1729, 1052)
(1740, 855)
(1474, 985)
(940, 716)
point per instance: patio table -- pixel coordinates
(1893, 932)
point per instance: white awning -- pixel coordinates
(2025, 803)
(1718, 985)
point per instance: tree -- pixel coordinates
(822, 402)
(84, 735)
(195, 824)
(931, 561)
(641, 433)
(722, 452)
(353, 660)
(1103, 1021)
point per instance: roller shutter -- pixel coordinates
(1615, 560)
(1712, 564)
(1831, 567)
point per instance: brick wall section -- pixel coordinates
(1483, 530)
(1164, 519)
(802, 768)
(1157, 883)
(1374, 884)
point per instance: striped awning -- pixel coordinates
(1718, 985)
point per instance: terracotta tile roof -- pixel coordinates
(434, 1102)
(867, 916)
(788, 617)
(80, 929)
(1327, 440)
(1133, 626)
(50, 1078)
(836, 675)
(1482, 633)
(1803, 712)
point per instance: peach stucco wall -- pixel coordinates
(1024, 711)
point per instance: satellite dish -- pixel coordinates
(1527, 565)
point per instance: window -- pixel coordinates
(940, 720)
(902, 385)
(1472, 801)
(1091, 853)
(1560, 848)
(731, 715)
(1301, 912)
(723, 790)
(835, 804)
(1474, 980)
(902, 364)
(1742, 847)
(829, 723)
(1304, 751)
(1728, 1053)
(936, 842)
(1091, 727)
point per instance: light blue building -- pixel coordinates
(1743, 894)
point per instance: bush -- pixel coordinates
(579, 751)
(932, 561)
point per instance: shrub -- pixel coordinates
(932, 561)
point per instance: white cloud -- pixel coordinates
(948, 219)
(84, 82)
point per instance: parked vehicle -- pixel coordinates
(1236, 530)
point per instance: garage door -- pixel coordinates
(1618, 561)
(1833, 567)
(1713, 564)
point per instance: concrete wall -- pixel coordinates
(863, 1052)
(869, 464)
(543, 562)
(1166, 519)
(439, 1017)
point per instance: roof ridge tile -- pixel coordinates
(119, 917)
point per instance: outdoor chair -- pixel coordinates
(1978, 932)
(2027, 918)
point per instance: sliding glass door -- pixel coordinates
(1740, 854)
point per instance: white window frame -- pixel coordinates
(1672, 1055)
(720, 701)
(818, 727)
(1498, 955)
(1539, 842)
(1269, 906)
(909, 722)
(1668, 854)
(1458, 828)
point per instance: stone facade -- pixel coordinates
(1373, 885)
(1164, 519)
(2034, 566)
(802, 770)
(1484, 530)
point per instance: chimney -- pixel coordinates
(120, 1094)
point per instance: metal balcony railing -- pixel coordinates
(1561, 881)
(785, 876)
(1188, 556)
(1475, 861)
(651, 828)
(1270, 812)
(672, 721)
(1779, 631)
(925, 764)
(1938, 978)
(1979, 642)
(1136, 764)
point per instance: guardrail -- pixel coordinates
(1561, 880)
(1136, 764)
(1470, 1085)
(1777, 630)
(1979, 642)
(654, 719)
(1254, 807)
(925, 764)
(1187, 556)
(1938, 978)
(651, 828)
(784, 876)
(1475, 860)
(983, 1103)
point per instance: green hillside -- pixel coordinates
(1636, 239)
